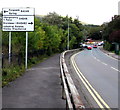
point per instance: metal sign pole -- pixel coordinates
(9, 47)
(26, 50)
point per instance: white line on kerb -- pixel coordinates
(115, 69)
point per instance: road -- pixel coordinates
(99, 76)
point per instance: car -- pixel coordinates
(100, 43)
(95, 46)
(89, 47)
(83, 45)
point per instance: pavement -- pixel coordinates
(39, 87)
(110, 53)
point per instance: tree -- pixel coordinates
(53, 19)
(94, 31)
(115, 36)
(112, 26)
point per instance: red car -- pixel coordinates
(89, 47)
(94, 46)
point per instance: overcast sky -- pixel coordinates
(89, 11)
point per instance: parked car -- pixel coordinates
(89, 47)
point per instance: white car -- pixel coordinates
(100, 43)
(83, 45)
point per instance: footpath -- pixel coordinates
(40, 87)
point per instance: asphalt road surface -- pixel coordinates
(99, 76)
(39, 87)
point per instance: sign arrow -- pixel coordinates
(30, 23)
(5, 11)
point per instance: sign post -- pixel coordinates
(18, 19)
(26, 50)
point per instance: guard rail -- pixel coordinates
(69, 91)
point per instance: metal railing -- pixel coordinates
(69, 91)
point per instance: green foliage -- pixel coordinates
(50, 36)
(111, 33)
(110, 28)
(36, 39)
(72, 41)
(11, 73)
(75, 29)
(18, 40)
(93, 31)
(107, 46)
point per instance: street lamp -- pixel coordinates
(101, 34)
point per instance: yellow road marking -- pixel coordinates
(83, 79)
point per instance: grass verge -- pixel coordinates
(13, 72)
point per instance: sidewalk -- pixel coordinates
(110, 53)
(39, 87)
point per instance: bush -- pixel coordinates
(11, 73)
(107, 46)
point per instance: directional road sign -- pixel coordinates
(18, 19)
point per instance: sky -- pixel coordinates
(88, 11)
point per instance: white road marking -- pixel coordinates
(104, 63)
(98, 60)
(89, 86)
(115, 69)
(108, 55)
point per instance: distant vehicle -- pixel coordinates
(100, 43)
(95, 46)
(89, 47)
(84, 45)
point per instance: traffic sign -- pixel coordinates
(18, 19)
(18, 11)
(18, 23)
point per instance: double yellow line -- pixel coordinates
(98, 99)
